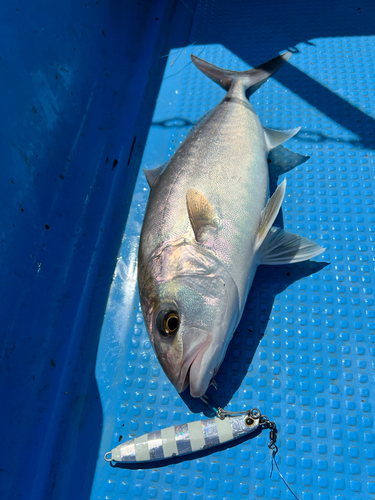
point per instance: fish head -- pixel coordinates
(191, 309)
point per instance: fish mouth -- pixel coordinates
(192, 358)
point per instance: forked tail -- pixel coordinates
(252, 79)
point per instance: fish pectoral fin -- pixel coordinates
(153, 174)
(270, 212)
(276, 137)
(282, 160)
(201, 213)
(282, 247)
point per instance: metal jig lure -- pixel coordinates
(195, 436)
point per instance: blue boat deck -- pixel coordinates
(96, 92)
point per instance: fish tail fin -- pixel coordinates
(251, 79)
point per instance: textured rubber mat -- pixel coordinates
(304, 352)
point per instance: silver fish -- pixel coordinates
(207, 227)
(183, 439)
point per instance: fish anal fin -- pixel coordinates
(282, 160)
(201, 213)
(276, 137)
(282, 247)
(270, 212)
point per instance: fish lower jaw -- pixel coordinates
(198, 383)
(192, 362)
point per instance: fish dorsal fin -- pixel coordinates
(270, 212)
(276, 137)
(153, 174)
(201, 213)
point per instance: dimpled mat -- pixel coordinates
(304, 352)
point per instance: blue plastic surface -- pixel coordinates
(304, 350)
(77, 102)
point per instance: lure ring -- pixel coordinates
(106, 456)
(255, 413)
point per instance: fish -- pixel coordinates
(208, 225)
(182, 439)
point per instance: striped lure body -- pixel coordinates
(183, 439)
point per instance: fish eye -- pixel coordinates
(168, 322)
(171, 322)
